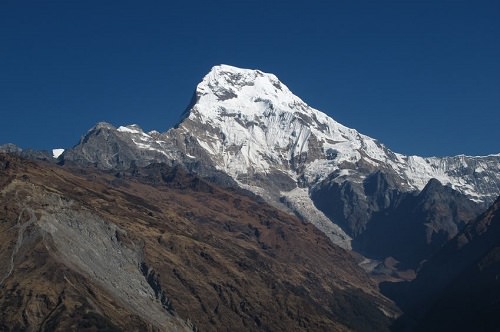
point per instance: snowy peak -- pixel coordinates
(245, 91)
(251, 122)
(246, 119)
(232, 80)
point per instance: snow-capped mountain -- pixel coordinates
(248, 125)
(258, 126)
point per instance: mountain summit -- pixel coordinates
(246, 128)
(259, 125)
(226, 82)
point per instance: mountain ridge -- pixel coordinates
(237, 122)
(245, 128)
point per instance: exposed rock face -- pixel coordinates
(458, 288)
(156, 248)
(385, 222)
(417, 225)
(122, 148)
(108, 148)
(246, 128)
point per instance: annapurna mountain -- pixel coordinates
(246, 128)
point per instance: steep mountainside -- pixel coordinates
(408, 227)
(156, 248)
(458, 288)
(245, 127)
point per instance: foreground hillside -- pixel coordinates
(157, 249)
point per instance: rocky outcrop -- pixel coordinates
(105, 147)
(353, 204)
(385, 222)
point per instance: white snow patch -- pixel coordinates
(149, 147)
(57, 152)
(479, 169)
(128, 130)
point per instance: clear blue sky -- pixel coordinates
(423, 77)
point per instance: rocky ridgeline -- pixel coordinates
(245, 128)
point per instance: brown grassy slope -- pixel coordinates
(220, 259)
(39, 289)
